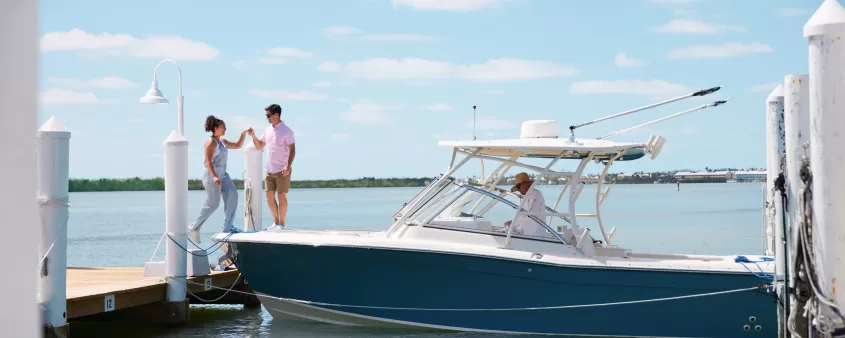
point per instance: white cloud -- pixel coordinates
(369, 112)
(123, 44)
(329, 66)
(794, 11)
(271, 61)
(340, 31)
(447, 5)
(638, 87)
(240, 64)
(289, 52)
(726, 50)
(439, 107)
(108, 82)
(504, 69)
(302, 95)
(696, 27)
(623, 60)
(764, 87)
(63, 96)
(491, 123)
(339, 137)
(495, 92)
(322, 84)
(399, 37)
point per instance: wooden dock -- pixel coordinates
(114, 293)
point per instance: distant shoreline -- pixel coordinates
(157, 184)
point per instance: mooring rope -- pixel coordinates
(56, 202)
(306, 302)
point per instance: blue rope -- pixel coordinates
(742, 260)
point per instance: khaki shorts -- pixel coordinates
(277, 182)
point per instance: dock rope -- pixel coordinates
(815, 303)
(306, 302)
(230, 289)
(248, 201)
(54, 202)
(742, 260)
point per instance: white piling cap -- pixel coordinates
(175, 138)
(249, 145)
(776, 95)
(828, 19)
(53, 128)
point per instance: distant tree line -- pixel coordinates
(156, 184)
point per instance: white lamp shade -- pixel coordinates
(153, 96)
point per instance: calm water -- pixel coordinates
(123, 229)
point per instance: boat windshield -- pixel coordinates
(458, 206)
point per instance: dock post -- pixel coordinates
(176, 215)
(53, 152)
(775, 145)
(797, 126)
(19, 41)
(825, 31)
(253, 192)
(775, 162)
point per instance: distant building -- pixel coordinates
(750, 176)
(704, 176)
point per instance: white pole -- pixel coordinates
(176, 210)
(825, 31)
(797, 126)
(253, 193)
(19, 24)
(775, 146)
(53, 151)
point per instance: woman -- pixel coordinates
(215, 179)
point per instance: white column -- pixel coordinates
(176, 214)
(53, 151)
(797, 126)
(19, 22)
(775, 146)
(825, 31)
(253, 192)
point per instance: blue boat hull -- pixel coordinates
(433, 280)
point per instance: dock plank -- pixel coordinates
(94, 290)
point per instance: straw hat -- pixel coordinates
(520, 178)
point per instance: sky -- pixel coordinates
(370, 86)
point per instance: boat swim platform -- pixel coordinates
(115, 293)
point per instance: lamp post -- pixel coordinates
(154, 95)
(176, 205)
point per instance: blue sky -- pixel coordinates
(370, 86)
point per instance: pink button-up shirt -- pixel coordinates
(276, 140)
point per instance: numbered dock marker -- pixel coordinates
(109, 303)
(207, 284)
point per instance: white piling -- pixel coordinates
(775, 146)
(825, 31)
(797, 126)
(53, 152)
(19, 22)
(253, 192)
(176, 215)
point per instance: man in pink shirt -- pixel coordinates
(278, 138)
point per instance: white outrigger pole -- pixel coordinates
(704, 106)
(702, 92)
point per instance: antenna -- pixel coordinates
(473, 123)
